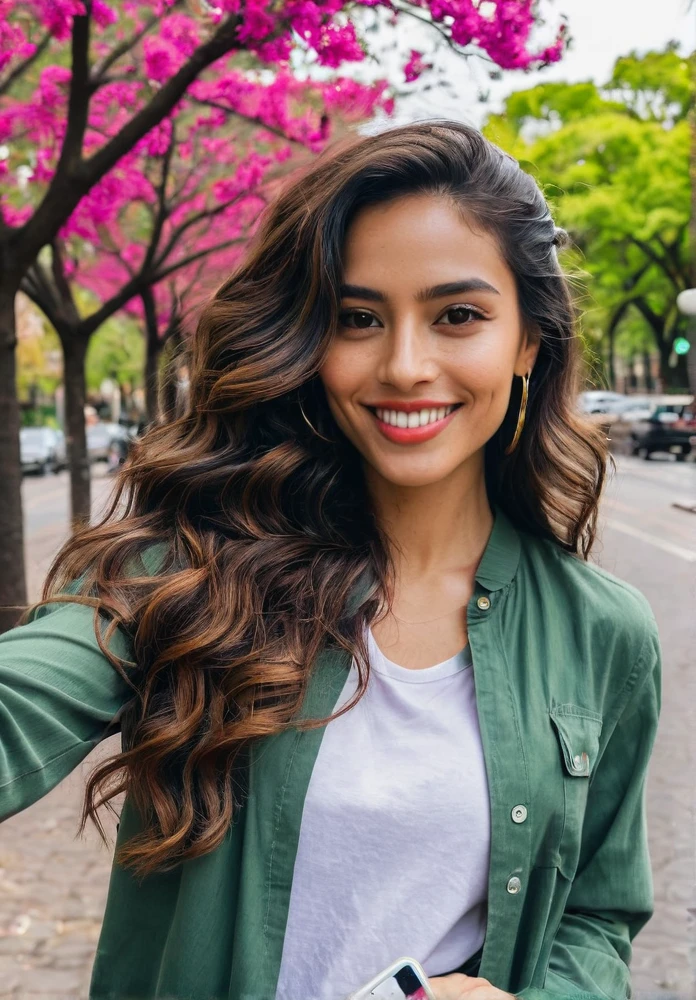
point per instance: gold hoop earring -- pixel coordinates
(314, 431)
(520, 419)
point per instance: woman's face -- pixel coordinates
(429, 319)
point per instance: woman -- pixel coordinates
(380, 491)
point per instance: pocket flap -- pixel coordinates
(579, 730)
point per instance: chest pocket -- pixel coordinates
(578, 731)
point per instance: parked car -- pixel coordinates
(121, 445)
(101, 437)
(601, 401)
(42, 449)
(637, 408)
(668, 428)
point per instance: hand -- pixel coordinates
(457, 986)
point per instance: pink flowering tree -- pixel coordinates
(83, 82)
(157, 215)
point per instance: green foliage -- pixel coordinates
(116, 350)
(613, 162)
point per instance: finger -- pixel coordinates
(451, 987)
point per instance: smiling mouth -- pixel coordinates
(417, 418)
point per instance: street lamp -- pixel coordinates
(686, 302)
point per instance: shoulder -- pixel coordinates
(614, 615)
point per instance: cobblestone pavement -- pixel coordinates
(53, 887)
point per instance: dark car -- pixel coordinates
(664, 431)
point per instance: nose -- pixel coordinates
(407, 355)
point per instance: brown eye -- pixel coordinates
(358, 319)
(462, 315)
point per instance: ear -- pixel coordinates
(529, 348)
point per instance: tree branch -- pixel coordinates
(119, 257)
(35, 284)
(25, 64)
(223, 41)
(161, 275)
(672, 252)
(120, 50)
(150, 311)
(117, 301)
(657, 323)
(655, 258)
(78, 99)
(162, 212)
(67, 188)
(248, 118)
(204, 214)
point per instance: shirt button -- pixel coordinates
(519, 814)
(514, 885)
(483, 603)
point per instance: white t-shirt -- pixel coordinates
(394, 845)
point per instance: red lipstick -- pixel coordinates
(413, 435)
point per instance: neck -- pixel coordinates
(438, 528)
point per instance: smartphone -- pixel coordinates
(404, 979)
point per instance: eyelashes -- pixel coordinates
(365, 317)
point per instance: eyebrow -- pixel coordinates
(425, 294)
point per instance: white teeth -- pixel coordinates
(417, 418)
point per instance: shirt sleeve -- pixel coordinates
(611, 898)
(58, 696)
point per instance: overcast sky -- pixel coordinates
(602, 30)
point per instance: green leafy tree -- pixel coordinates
(614, 163)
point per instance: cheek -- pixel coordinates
(485, 362)
(343, 372)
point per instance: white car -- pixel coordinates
(602, 401)
(100, 438)
(42, 449)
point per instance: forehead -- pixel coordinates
(423, 239)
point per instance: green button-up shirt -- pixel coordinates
(566, 661)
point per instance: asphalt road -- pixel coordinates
(52, 887)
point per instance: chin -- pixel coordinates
(407, 472)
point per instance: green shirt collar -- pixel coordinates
(502, 553)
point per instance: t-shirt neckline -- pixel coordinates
(383, 665)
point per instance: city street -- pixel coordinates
(53, 887)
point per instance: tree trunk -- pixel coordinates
(152, 353)
(151, 380)
(74, 354)
(13, 588)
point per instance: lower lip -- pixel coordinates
(412, 435)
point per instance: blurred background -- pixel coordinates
(139, 144)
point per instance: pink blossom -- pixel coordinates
(56, 15)
(162, 59)
(415, 66)
(103, 14)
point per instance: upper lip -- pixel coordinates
(418, 404)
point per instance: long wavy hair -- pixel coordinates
(265, 531)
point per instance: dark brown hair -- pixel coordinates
(266, 532)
